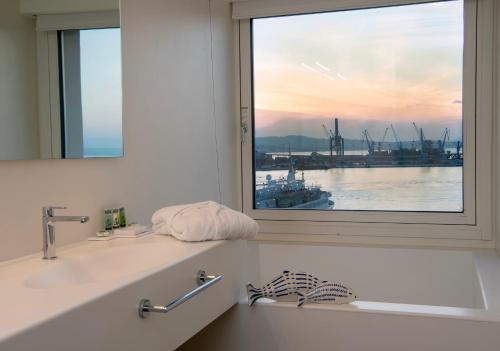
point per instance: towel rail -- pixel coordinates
(203, 280)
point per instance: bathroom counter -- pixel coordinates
(35, 291)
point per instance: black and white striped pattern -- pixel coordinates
(285, 285)
(334, 293)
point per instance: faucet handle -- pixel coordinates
(49, 210)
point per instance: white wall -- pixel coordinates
(168, 88)
(18, 104)
(169, 130)
(496, 153)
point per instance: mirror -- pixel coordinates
(60, 80)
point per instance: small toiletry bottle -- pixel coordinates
(108, 219)
(116, 218)
(123, 219)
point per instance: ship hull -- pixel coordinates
(322, 203)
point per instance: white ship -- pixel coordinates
(291, 193)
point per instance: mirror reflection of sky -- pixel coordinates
(101, 92)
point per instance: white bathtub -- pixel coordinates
(409, 299)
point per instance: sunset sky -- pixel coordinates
(385, 64)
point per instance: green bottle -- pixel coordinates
(108, 219)
(123, 219)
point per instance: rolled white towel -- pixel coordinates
(203, 221)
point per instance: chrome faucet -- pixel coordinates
(49, 230)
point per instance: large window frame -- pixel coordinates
(474, 224)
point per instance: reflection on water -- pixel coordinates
(387, 189)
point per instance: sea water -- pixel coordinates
(435, 189)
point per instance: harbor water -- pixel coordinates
(327, 152)
(434, 189)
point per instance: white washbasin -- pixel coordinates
(95, 266)
(60, 273)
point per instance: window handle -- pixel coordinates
(243, 123)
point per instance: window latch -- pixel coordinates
(243, 123)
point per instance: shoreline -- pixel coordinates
(283, 168)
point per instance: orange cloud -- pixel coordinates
(291, 89)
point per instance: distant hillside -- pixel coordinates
(300, 143)
(281, 123)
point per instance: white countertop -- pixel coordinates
(32, 291)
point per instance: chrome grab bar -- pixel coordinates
(203, 280)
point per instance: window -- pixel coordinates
(354, 66)
(90, 75)
(368, 114)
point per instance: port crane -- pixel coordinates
(329, 136)
(459, 145)
(380, 143)
(445, 136)
(398, 141)
(420, 134)
(369, 142)
(335, 139)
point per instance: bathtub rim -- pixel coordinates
(389, 308)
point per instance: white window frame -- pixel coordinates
(474, 226)
(49, 105)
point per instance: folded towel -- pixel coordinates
(203, 221)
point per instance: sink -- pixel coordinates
(59, 273)
(96, 266)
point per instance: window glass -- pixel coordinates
(360, 109)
